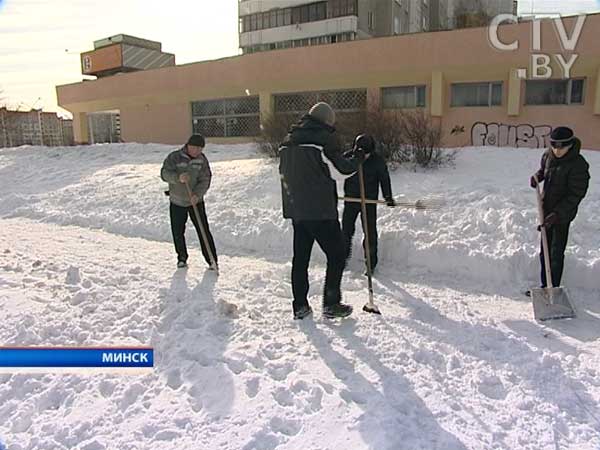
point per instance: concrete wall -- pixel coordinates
(155, 104)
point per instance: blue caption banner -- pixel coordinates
(76, 357)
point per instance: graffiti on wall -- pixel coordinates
(503, 135)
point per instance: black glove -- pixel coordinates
(549, 220)
(390, 202)
(359, 154)
(532, 182)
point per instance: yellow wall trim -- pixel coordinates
(437, 94)
(597, 103)
(514, 93)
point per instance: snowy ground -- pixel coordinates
(455, 362)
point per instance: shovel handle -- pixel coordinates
(213, 262)
(363, 208)
(545, 249)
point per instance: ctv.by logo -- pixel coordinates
(540, 62)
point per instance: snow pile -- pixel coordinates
(485, 233)
(455, 362)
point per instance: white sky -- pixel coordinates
(34, 35)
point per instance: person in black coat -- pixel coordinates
(566, 176)
(309, 197)
(376, 174)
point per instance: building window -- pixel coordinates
(319, 13)
(280, 17)
(349, 105)
(371, 20)
(339, 8)
(351, 7)
(334, 8)
(476, 94)
(403, 97)
(295, 15)
(312, 13)
(301, 102)
(304, 13)
(554, 92)
(230, 117)
(344, 102)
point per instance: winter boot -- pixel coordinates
(302, 313)
(337, 310)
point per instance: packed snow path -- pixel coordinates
(455, 362)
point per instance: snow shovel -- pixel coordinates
(549, 303)
(424, 203)
(370, 307)
(213, 262)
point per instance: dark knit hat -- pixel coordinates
(323, 112)
(562, 137)
(197, 140)
(366, 142)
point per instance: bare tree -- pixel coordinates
(273, 130)
(470, 14)
(407, 137)
(4, 140)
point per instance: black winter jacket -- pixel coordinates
(375, 173)
(308, 191)
(566, 182)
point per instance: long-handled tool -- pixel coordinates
(550, 302)
(213, 261)
(370, 307)
(424, 203)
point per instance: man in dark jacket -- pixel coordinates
(189, 165)
(565, 174)
(376, 174)
(309, 197)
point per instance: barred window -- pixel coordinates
(300, 102)
(403, 97)
(350, 105)
(230, 117)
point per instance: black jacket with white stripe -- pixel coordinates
(308, 190)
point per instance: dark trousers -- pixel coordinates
(557, 242)
(328, 235)
(179, 216)
(351, 212)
